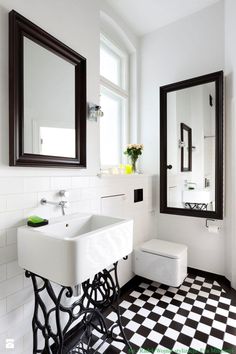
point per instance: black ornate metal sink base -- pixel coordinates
(52, 323)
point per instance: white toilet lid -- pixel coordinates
(163, 248)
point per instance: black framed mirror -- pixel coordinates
(186, 147)
(191, 131)
(47, 103)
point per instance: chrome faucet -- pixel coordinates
(63, 203)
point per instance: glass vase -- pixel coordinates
(134, 167)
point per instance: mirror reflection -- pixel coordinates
(49, 102)
(185, 144)
(191, 131)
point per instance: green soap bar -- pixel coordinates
(35, 219)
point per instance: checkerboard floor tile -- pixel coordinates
(198, 317)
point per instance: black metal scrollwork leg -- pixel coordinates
(47, 324)
(196, 206)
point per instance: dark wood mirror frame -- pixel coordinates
(218, 79)
(20, 27)
(184, 127)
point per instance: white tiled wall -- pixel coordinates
(19, 198)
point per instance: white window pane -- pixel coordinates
(110, 129)
(110, 65)
(57, 141)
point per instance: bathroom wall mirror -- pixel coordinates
(186, 147)
(191, 147)
(47, 98)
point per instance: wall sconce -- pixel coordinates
(94, 111)
(181, 144)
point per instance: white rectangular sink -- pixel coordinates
(73, 248)
(197, 196)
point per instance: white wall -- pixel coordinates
(230, 72)
(190, 47)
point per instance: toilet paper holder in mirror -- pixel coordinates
(212, 228)
(207, 222)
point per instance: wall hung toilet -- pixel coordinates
(162, 261)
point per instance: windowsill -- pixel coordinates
(131, 175)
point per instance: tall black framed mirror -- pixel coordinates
(186, 147)
(191, 147)
(47, 98)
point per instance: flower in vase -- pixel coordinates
(134, 151)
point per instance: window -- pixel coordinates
(114, 102)
(51, 141)
(110, 65)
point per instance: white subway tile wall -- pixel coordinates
(19, 198)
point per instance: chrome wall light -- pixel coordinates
(182, 144)
(94, 111)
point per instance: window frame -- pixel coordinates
(121, 91)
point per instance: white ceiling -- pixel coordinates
(145, 16)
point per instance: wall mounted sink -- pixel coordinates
(197, 196)
(73, 248)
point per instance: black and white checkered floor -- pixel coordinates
(197, 317)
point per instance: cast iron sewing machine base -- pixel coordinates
(53, 318)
